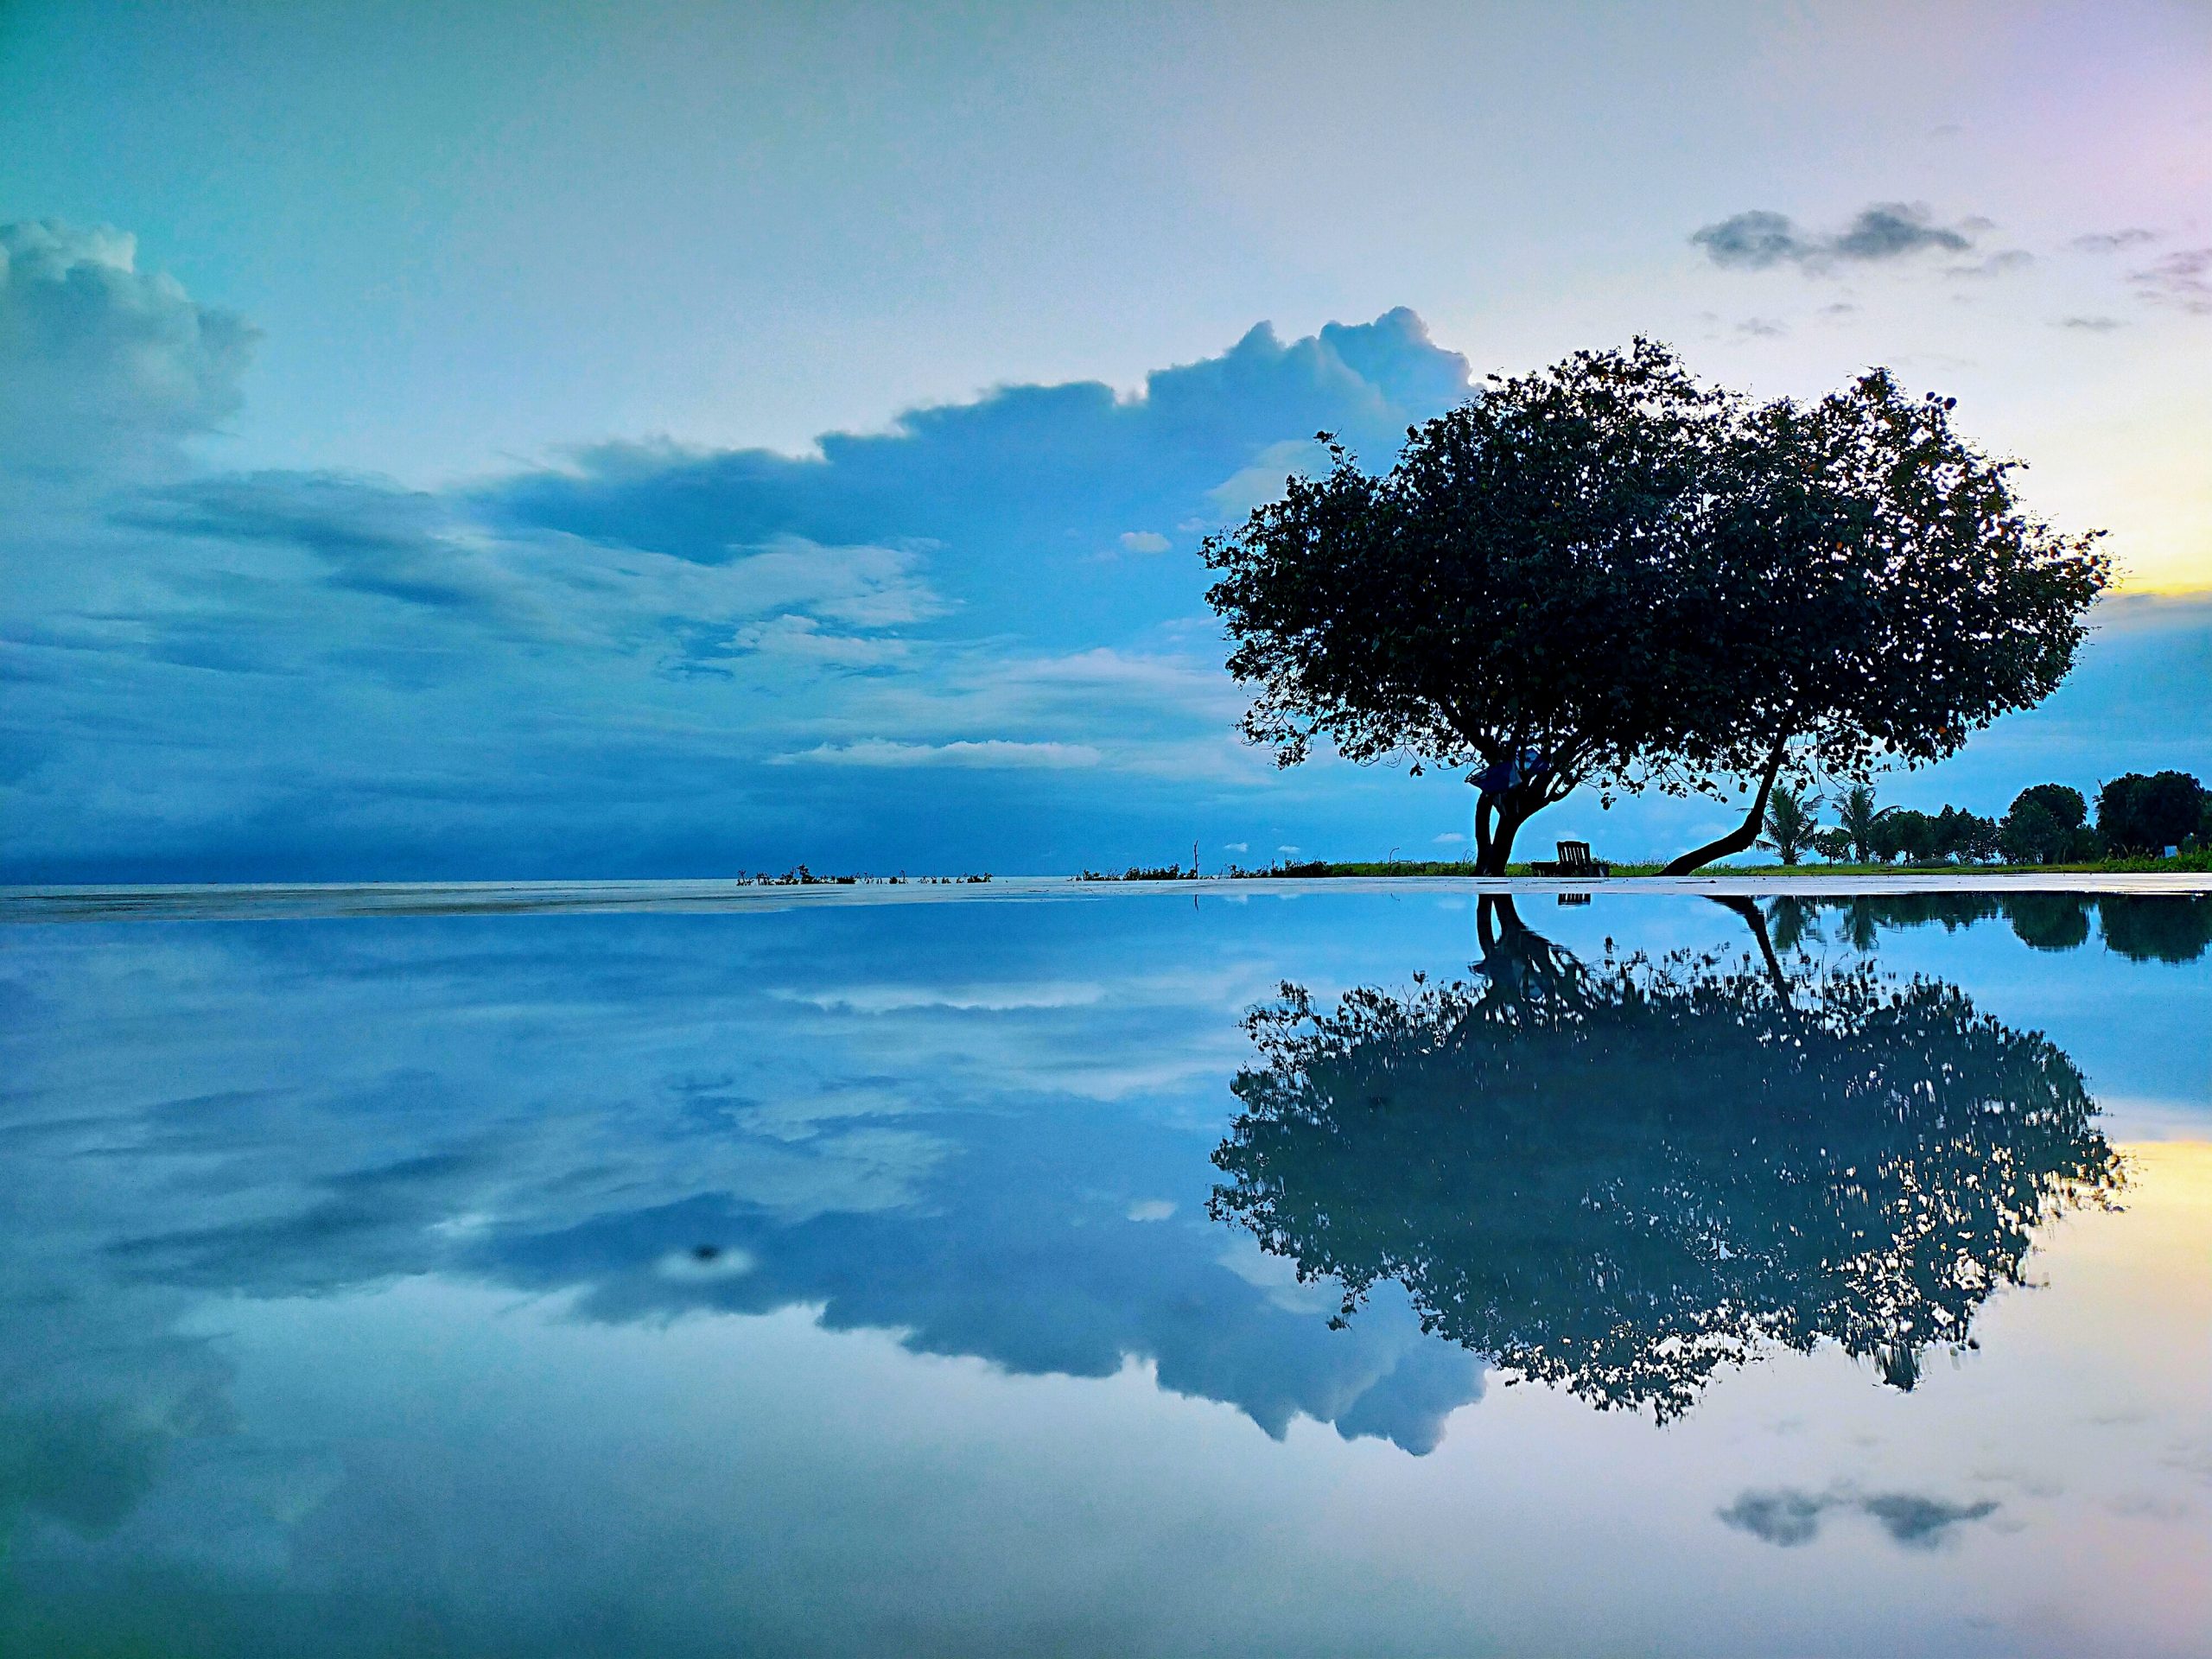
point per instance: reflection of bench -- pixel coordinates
(1573, 859)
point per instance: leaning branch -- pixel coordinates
(1744, 835)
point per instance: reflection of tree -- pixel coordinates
(2144, 927)
(1621, 1178)
(2050, 921)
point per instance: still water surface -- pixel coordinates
(1262, 1273)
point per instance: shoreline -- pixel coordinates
(309, 900)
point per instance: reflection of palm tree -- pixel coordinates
(1623, 1177)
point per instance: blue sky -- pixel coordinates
(671, 439)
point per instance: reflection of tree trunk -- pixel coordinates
(1497, 921)
(1756, 920)
(1521, 964)
(1746, 834)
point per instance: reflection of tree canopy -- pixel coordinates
(1622, 1177)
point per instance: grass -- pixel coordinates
(1320, 869)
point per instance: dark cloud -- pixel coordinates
(1788, 1517)
(1761, 240)
(1785, 1518)
(2113, 241)
(371, 536)
(2092, 325)
(1919, 1522)
(104, 367)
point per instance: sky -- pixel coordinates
(507, 442)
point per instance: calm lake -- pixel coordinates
(1278, 1271)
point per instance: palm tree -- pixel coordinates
(1856, 817)
(1790, 823)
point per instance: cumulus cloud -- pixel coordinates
(586, 667)
(103, 367)
(1015, 491)
(1884, 231)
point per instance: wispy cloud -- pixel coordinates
(2183, 280)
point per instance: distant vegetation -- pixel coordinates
(2049, 826)
(2138, 818)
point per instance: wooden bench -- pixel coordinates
(1573, 859)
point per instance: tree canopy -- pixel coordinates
(2046, 823)
(1621, 1179)
(2136, 813)
(1607, 572)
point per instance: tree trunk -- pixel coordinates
(1746, 834)
(1485, 806)
(1494, 840)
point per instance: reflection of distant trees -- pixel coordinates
(1620, 1177)
(2146, 928)
(2143, 928)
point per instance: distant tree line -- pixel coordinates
(2137, 814)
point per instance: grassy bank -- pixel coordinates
(1318, 869)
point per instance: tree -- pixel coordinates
(2044, 825)
(1607, 572)
(1856, 816)
(1903, 831)
(1873, 594)
(1621, 1179)
(1791, 824)
(2032, 834)
(1833, 845)
(2147, 815)
(1967, 836)
(1498, 601)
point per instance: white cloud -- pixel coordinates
(1143, 541)
(107, 368)
(1262, 480)
(987, 752)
